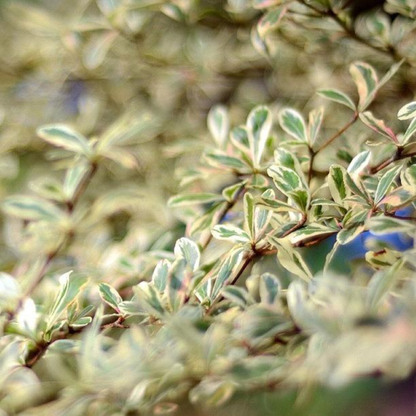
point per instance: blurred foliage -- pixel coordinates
(208, 207)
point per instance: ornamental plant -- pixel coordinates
(183, 186)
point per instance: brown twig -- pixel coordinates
(339, 133)
(397, 156)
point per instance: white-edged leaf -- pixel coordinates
(293, 124)
(219, 124)
(259, 124)
(269, 288)
(160, 274)
(385, 225)
(346, 235)
(270, 21)
(365, 78)
(380, 284)
(31, 208)
(338, 97)
(290, 259)
(231, 233)
(407, 111)
(378, 126)
(70, 289)
(110, 296)
(337, 184)
(359, 162)
(188, 250)
(65, 137)
(73, 178)
(182, 200)
(411, 130)
(316, 117)
(385, 183)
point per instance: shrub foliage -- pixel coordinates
(291, 125)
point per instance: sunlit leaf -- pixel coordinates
(293, 123)
(259, 123)
(219, 125)
(63, 136)
(338, 97)
(110, 296)
(366, 80)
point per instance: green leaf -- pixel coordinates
(223, 161)
(365, 78)
(290, 183)
(389, 74)
(378, 126)
(316, 117)
(97, 48)
(269, 288)
(81, 322)
(230, 232)
(284, 157)
(270, 21)
(407, 111)
(110, 296)
(262, 218)
(276, 205)
(249, 208)
(409, 149)
(231, 193)
(411, 130)
(160, 275)
(330, 257)
(182, 200)
(70, 289)
(219, 125)
(212, 393)
(385, 225)
(381, 284)
(290, 259)
(338, 97)
(310, 232)
(150, 299)
(9, 288)
(408, 179)
(259, 124)
(208, 220)
(348, 234)
(385, 183)
(73, 178)
(239, 138)
(32, 208)
(356, 186)
(293, 123)
(179, 280)
(188, 250)
(382, 258)
(237, 295)
(337, 184)
(286, 179)
(400, 196)
(63, 136)
(359, 163)
(228, 266)
(264, 4)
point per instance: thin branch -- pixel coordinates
(397, 156)
(51, 256)
(339, 133)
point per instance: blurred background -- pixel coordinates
(154, 69)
